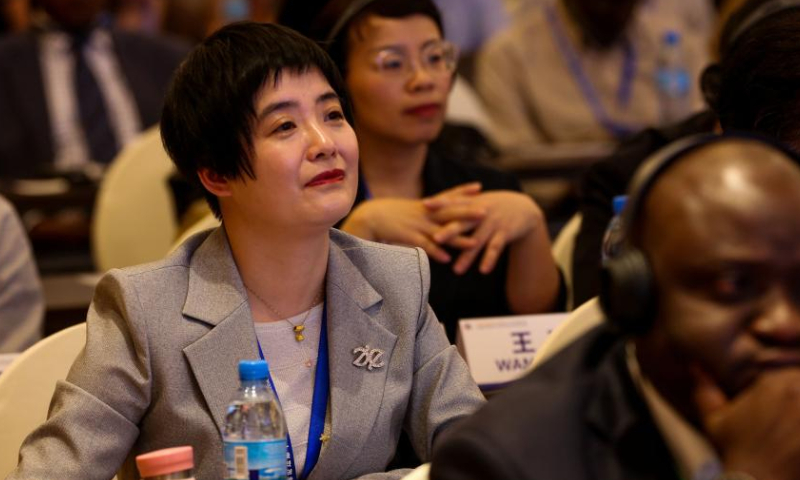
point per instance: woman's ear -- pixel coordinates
(710, 83)
(214, 182)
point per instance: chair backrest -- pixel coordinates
(579, 321)
(563, 249)
(205, 223)
(420, 473)
(134, 214)
(27, 386)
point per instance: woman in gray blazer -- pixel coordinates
(257, 114)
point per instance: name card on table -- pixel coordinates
(499, 350)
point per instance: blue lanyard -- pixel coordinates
(617, 129)
(319, 405)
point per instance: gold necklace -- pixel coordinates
(297, 328)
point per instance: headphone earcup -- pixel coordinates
(627, 292)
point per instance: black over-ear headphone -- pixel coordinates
(737, 25)
(627, 287)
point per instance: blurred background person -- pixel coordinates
(572, 71)
(74, 91)
(751, 87)
(136, 15)
(488, 242)
(21, 298)
(470, 24)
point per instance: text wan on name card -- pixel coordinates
(499, 350)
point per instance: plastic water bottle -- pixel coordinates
(254, 436)
(672, 79)
(615, 232)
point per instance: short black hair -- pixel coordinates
(332, 26)
(209, 111)
(758, 84)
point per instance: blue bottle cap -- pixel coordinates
(619, 203)
(672, 38)
(253, 370)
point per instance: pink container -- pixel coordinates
(167, 464)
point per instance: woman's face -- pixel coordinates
(305, 156)
(399, 73)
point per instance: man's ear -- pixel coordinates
(214, 182)
(710, 83)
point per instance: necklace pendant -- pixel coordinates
(298, 332)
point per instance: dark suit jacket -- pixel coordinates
(26, 145)
(578, 416)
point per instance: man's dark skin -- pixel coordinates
(722, 234)
(601, 22)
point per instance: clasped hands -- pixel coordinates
(463, 217)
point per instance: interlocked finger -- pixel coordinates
(492, 252)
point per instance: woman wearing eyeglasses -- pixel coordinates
(487, 241)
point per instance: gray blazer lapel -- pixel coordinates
(216, 297)
(354, 320)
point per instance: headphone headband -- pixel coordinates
(646, 175)
(767, 9)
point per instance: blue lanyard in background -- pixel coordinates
(617, 129)
(319, 404)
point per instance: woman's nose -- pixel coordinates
(421, 79)
(321, 143)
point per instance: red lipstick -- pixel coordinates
(426, 110)
(326, 177)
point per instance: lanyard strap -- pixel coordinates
(319, 405)
(616, 129)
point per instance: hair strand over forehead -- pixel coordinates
(209, 111)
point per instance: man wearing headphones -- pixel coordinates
(696, 375)
(751, 87)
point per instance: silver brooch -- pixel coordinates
(368, 357)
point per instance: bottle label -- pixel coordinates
(255, 459)
(673, 82)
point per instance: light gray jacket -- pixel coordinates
(164, 341)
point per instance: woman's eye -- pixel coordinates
(392, 64)
(284, 127)
(335, 115)
(435, 58)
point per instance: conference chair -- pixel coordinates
(579, 321)
(134, 219)
(27, 386)
(420, 473)
(563, 250)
